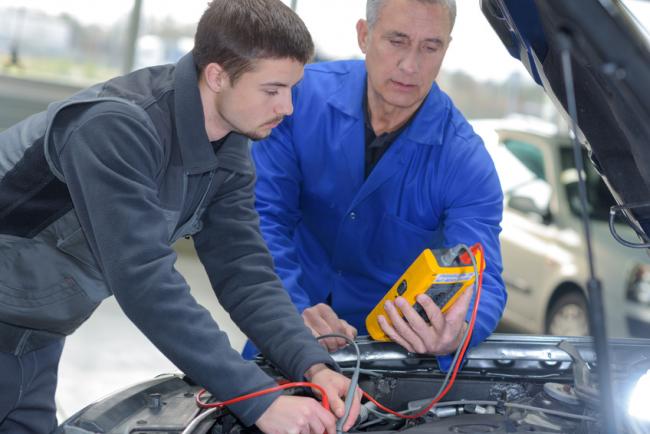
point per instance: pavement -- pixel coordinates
(108, 353)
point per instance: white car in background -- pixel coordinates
(544, 253)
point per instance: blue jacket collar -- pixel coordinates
(427, 127)
(196, 150)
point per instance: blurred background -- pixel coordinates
(49, 50)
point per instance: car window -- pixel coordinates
(530, 155)
(598, 196)
(512, 173)
(519, 166)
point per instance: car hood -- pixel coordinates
(610, 61)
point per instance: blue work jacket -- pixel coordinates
(341, 239)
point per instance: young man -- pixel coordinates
(375, 165)
(94, 191)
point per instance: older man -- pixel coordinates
(375, 165)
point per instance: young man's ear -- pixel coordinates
(362, 35)
(215, 77)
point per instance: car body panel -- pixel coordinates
(544, 257)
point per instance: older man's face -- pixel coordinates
(404, 50)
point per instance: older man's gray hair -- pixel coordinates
(374, 6)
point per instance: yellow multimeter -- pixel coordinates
(442, 274)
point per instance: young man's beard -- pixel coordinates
(256, 135)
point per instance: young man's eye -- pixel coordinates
(271, 92)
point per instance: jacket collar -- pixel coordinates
(196, 150)
(426, 128)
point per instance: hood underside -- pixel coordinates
(610, 62)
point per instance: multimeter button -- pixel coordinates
(401, 288)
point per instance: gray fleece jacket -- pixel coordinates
(93, 193)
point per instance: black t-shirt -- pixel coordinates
(376, 146)
(217, 143)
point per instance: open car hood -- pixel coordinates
(610, 60)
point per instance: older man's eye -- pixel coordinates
(397, 42)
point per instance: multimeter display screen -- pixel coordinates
(440, 294)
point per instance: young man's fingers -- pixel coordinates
(354, 410)
(325, 422)
(337, 405)
(316, 426)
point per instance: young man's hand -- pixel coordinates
(336, 387)
(439, 337)
(322, 320)
(300, 415)
(296, 415)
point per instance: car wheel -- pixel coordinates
(568, 316)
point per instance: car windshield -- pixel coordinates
(598, 196)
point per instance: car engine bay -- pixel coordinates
(508, 384)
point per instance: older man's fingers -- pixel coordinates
(403, 328)
(436, 319)
(393, 335)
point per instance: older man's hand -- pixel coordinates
(322, 320)
(441, 336)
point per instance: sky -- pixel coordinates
(475, 48)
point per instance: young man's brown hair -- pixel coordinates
(235, 33)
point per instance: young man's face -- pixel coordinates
(260, 98)
(404, 50)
